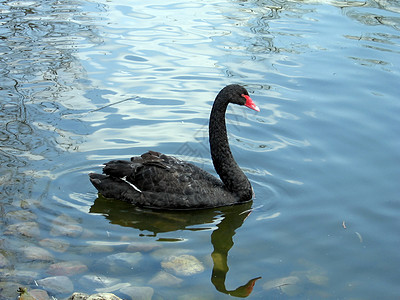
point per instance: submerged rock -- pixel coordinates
(23, 274)
(64, 225)
(28, 229)
(57, 284)
(279, 282)
(138, 292)
(40, 294)
(21, 215)
(67, 268)
(313, 273)
(318, 279)
(37, 254)
(113, 288)
(57, 245)
(184, 265)
(287, 285)
(96, 248)
(66, 230)
(98, 281)
(162, 253)
(121, 260)
(163, 278)
(3, 261)
(8, 289)
(28, 203)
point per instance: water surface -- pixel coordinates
(84, 82)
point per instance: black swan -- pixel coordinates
(155, 180)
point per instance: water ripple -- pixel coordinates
(84, 82)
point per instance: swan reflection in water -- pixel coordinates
(232, 217)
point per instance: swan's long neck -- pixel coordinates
(224, 163)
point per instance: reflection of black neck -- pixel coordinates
(222, 240)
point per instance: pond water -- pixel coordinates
(84, 82)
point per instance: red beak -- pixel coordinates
(249, 103)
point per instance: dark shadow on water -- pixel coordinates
(155, 221)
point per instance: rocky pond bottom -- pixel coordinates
(41, 276)
(68, 259)
(40, 294)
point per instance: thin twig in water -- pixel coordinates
(112, 104)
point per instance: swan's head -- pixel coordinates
(239, 95)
